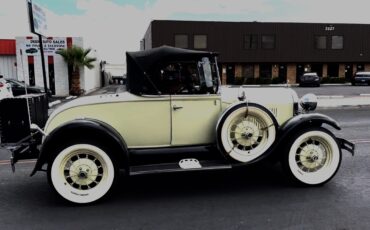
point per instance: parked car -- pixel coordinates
(18, 88)
(32, 50)
(361, 78)
(310, 79)
(5, 89)
(175, 117)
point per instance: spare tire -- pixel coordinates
(246, 131)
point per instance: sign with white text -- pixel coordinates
(31, 47)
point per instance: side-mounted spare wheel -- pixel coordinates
(311, 156)
(82, 172)
(246, 131)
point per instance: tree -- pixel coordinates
(76, 57)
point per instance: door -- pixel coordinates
(283, 72)
(349, 72)
(194, 119)
(230, 74)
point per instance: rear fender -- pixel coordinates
(86, 128)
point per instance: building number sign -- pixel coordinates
(329, 28)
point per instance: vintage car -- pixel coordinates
(173, 117)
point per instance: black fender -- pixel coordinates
(306, 120)
(83, 127)
(301, 121)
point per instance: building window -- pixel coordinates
(250, 41)
(181, 41)
(320, 42)
(268, 41)
(200, 41)
(337, 42)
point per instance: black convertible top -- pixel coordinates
(142, 65)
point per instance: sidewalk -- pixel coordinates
(335, 101)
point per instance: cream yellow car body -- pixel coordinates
(168, 120)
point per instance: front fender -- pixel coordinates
(292, 125)
(310, 119)
(302, 121)
(77, 128)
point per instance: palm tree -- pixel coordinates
(76, 57)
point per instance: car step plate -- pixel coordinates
(190, 163)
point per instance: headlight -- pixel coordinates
(308, 102)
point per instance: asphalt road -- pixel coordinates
(242, 199)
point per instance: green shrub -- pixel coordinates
(263, 81)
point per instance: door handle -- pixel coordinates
(177, 107)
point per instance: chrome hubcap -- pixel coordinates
(246, 133)
(312, 154)
(83, 171)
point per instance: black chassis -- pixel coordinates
(142, 161)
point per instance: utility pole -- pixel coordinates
(34, 29)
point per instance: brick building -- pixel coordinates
(270, 52)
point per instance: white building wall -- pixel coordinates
(61, 76)
(90, 79)
(8, 66)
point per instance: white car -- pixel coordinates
(5, 89)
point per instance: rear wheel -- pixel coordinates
(312, 157)
(82, 173)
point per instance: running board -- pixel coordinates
(184, 165)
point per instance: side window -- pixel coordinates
(187, 78)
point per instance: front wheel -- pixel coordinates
(312, 157)
(82, 173)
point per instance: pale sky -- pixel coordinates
(113, 27)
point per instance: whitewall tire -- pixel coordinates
(246, 132)
(312, 157)
(82, 173)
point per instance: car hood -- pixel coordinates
(268, 95)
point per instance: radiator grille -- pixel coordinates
(274, 111)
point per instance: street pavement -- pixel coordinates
(255, 198)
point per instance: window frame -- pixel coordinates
(342, 47)
(268, 35)
(187, 40)
(248, 38)
(206, 41)
(316, 42)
